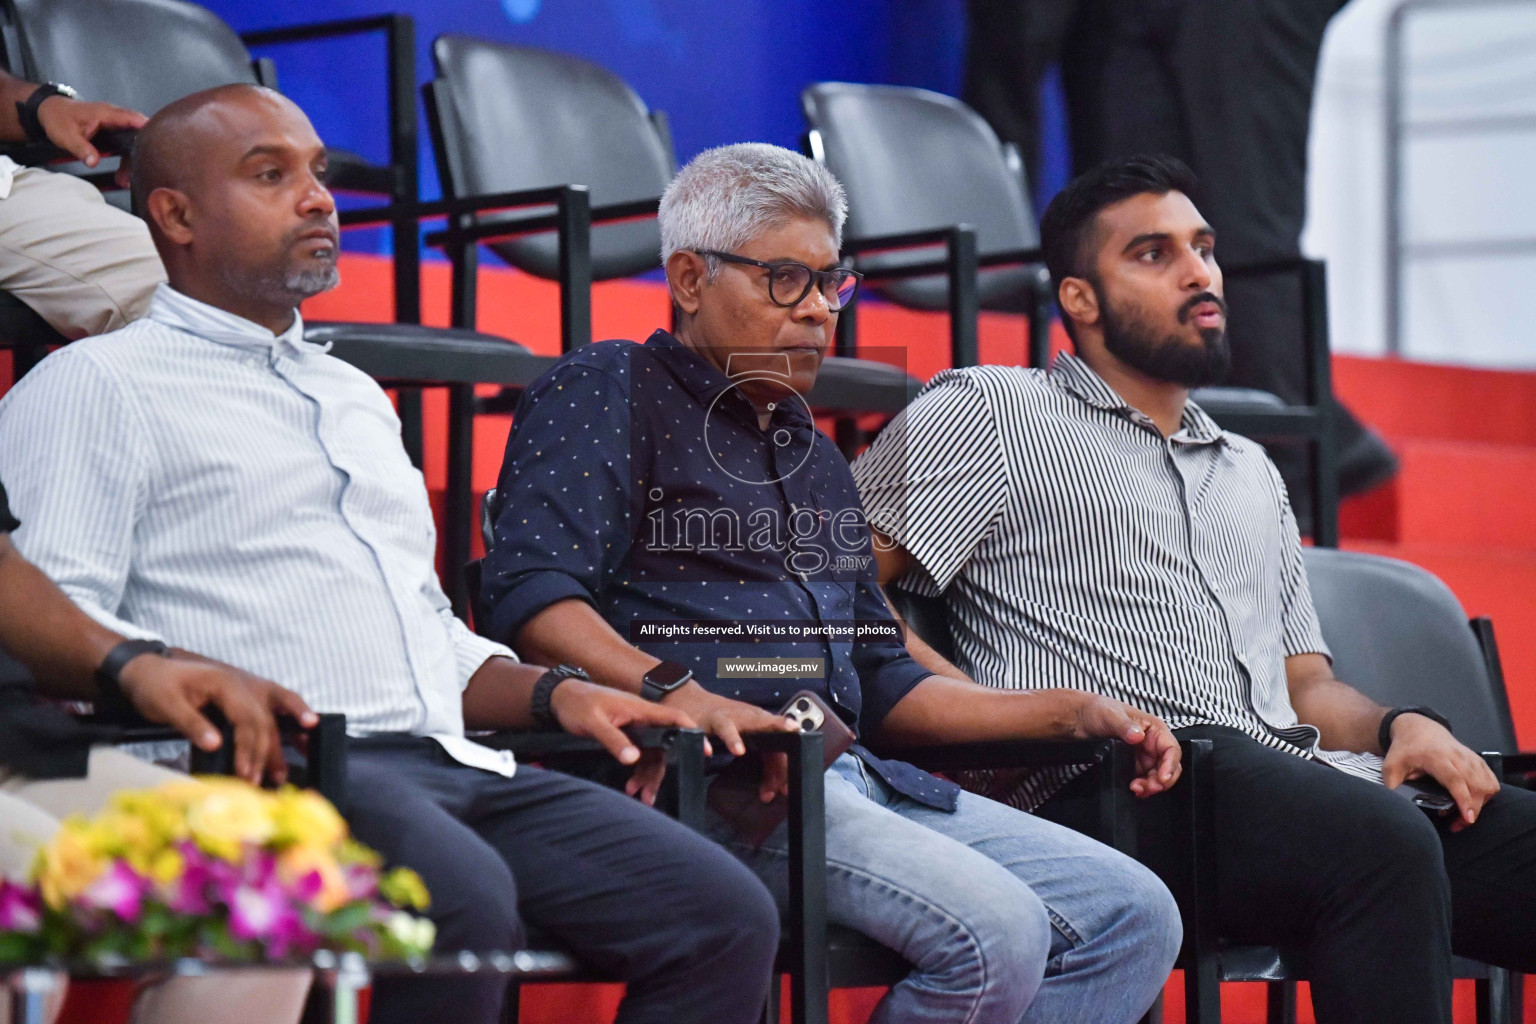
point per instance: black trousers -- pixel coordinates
(1372, 891)
(633, 893)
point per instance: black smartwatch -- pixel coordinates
(544, 692)
(26, 111)
(662, 680)
(1384, 731)
(110, 699)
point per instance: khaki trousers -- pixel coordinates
(83, 265)
(30, 811)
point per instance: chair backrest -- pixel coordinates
(508, 118)
(142, 54)
(1399, 636)
(912, 160)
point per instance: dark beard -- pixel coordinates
(1170, 359)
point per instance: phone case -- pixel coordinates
(733, 794)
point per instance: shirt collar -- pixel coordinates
(182, 312)
(705, 381)
(1075, 376)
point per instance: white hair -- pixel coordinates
(727, 196)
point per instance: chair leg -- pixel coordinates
(1493, 997)
(1202, 992)
(1154, 1014)
(511, 1004)
(771, 1004)
(1516, 998)
(1281, 998)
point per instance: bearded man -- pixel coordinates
(1091, 528)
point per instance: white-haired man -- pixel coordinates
(680, 488)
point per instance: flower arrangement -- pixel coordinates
(211, 867)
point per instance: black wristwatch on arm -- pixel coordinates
(110, 700)
(1384, 731)
(544, 692)
(26, 111)
(663, 680)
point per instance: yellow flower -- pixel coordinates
(68, 864)
(302, 817)
(228, 815)
(350, 851)
(404, 888)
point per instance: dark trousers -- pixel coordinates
(633, 893)
(1372, 891)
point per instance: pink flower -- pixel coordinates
(20, 908)
(119, 890)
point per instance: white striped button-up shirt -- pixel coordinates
(195, 479)
(1077, 547)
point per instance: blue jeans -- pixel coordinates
(1006, 917)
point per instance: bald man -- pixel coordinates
(208, 477)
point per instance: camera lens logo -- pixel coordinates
(762, 373)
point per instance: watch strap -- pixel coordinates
(1384, 731)
(26, 110)
(539, 704)
(109, 687)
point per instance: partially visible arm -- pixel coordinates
(69, 124)
(45, 631)
(499, 694)
(945, 710)
(1346, 718)
(893, 561)
(63, 646)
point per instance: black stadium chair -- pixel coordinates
(931, 192)
(1400, 637)
(501, 119)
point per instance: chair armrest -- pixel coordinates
(372, 216)
(1522, 763)
(534, 746)
(683, 749)
(324, 746)
(1007, 754)
(495, 230)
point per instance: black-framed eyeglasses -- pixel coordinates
(790, 282)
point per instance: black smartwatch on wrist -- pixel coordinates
(544, 693)
(662, 680)
(26, 111)
(110, 699)
(1384, 731)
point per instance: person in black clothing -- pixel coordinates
(1224, 85)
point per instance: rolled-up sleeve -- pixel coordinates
(935, 480)
(887, 673)
(564, 522)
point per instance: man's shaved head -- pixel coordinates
(232, 183)
(165, 152)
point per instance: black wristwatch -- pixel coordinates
(1384, 731)
(544, 692)
(110, 699)
(26, 111)
(662, 680)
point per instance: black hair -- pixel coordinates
(1069, 220)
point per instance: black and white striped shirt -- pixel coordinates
(1077, 547)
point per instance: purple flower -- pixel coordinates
(20, 908)
(119, 890)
